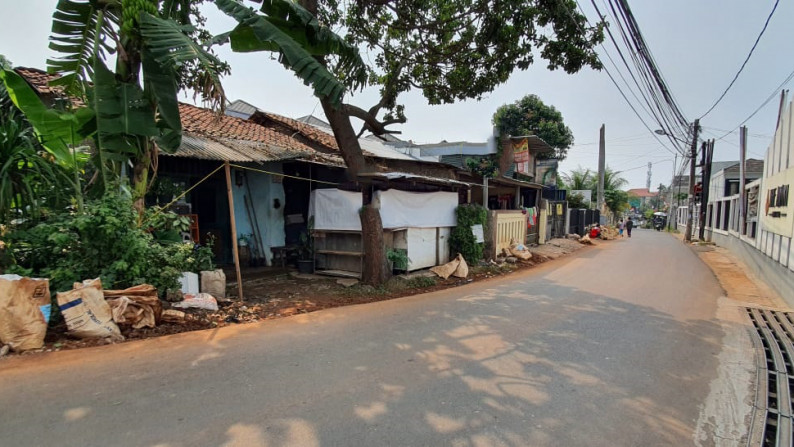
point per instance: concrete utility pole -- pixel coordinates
(691, 205)
(742, 177)
(670, 214)
(708, 154)
(648, 179)
(601, 168)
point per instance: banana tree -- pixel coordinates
(134, 106)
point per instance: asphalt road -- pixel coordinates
(623, 344)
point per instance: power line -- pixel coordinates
(653, 89)
(757, 39)
(622, 94)
(771, 96)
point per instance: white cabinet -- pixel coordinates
(426, 247)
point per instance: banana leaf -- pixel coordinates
(123, 113)
(159, 82)
(168, 43)
(74, 36)
(255, 33)
(57, 131)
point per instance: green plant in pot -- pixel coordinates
(399, 260)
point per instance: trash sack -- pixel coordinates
(199, 301)
(138, 306)
(174, 316)
(86, 313)
(463, 268)
(520, 251)
(24, 311)
(456, 267)
(586, 240)
(214, 283)
(189, 283)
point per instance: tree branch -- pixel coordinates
(371, 121)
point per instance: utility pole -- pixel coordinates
(742, 178)
(601, 168)
(691, 205)
(670, 214)
(708, 154)
(648, 179)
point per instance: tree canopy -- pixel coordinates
(531, 116)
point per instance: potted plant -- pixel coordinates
(306, 250)
(399, 260)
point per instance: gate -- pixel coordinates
(556, 219)
(580, 219)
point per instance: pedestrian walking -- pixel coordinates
(620, 228)
(629, 226)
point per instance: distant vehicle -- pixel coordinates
(659, 220)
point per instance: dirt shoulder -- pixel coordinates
(285, 293)
(737, 280)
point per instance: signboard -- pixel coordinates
(521, 155)
(559, 209)
(478, 233)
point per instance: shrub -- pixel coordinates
(462, 239)
(104, 240)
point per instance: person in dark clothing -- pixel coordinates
(629, 226)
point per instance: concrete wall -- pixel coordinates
(264, 190)
(780, 278)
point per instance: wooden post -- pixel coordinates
(234, 231)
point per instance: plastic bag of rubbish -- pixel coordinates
(86, 313)
(199, 301)
(24, 311)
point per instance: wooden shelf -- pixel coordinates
(340, 253)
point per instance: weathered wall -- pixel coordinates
(264, 191)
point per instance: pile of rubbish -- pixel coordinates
(609, 232)
(514, 253)
(92, 312)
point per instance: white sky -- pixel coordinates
(698, 45)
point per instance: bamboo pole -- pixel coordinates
(234, 231)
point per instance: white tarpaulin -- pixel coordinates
(334, 209)
(402, 209)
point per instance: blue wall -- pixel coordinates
(263, 192)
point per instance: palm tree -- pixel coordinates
(578, 179)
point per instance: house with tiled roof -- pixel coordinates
(275, 165)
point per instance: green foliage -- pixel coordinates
(101, 241)
(577, 201)
(617, 201)
(453, 50)
(462, 239)
(297, 36)
(485, 166)
(398, 258)
(421, 282)
(530, 116)
(580, 179)
(58, 131)
(30, 178)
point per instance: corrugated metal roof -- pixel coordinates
(222, 149)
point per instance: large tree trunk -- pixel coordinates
(375, 267)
